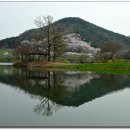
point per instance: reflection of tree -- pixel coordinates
(56, 89)
(110, 81)
(46, 107)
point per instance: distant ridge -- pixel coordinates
(89, 32)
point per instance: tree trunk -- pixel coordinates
(22, 57)
(49, 48)
(54, 58)
(112, 57)
(54, 54)
(49, 55)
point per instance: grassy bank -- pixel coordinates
(110, 68)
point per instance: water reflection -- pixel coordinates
(57, 89)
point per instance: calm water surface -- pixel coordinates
(63, 98)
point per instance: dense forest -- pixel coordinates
(88, 32)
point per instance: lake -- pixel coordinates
(38, 98)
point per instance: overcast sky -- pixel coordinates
(17, 17)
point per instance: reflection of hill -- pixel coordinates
(64, 88)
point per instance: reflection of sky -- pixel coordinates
(18, 17)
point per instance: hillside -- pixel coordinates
(89, 32)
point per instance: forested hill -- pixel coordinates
(88, 31)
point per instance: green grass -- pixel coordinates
(118, 67)
(109, 68)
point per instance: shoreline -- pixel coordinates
(106, 68)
